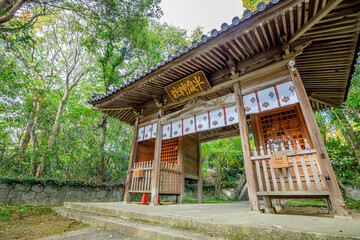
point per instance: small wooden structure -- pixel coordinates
(266, 75)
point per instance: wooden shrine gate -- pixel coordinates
(249, 71)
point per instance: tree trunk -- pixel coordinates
(349, 133)
(345, 190)
(55, 131)
(102, 125)
(29, 128)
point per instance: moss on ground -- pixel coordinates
(350, 203)
(31, 222)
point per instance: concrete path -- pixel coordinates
(90, 234)
(238, 214)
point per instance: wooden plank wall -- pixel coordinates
(191, 160)
(145, 151)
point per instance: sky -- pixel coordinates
(210, 14)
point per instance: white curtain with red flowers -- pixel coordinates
(267, 99)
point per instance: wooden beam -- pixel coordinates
(322, 13)
(220, 135)
(134, 147)
(199, 183)
(109, 109)
(245, 143)
(323, 158)
(181, 159)
(199, 106)
(325, 103)
(155, 177)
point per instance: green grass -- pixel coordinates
(350, 203)
(31, 222)
(210, 200)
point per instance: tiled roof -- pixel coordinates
(224, 27)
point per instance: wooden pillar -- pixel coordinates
(199, 183)
(332, 186)
(245, 144)
(155, 177)
(256, 134)
(134, 147)
(181, 159)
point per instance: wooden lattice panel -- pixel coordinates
(281, 127)
(169, 150)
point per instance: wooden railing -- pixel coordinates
(302, 176)
(141, 184)
(170, 178)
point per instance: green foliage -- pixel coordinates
(225, 158)
(251, 4)
(350, 203)
(121, 39)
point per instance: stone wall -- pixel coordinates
(355, 192)
(37, 194)
(52, 195)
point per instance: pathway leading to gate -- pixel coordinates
(231, 219)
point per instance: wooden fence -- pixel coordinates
(302, 176)
(141, 184)
(170, 178)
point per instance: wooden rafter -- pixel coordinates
(322, 13)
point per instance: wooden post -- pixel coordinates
(255, 131)
(155, 177)
(332, 186)
(245, 143)
(199, 184)
(134, 147)
(181, 159)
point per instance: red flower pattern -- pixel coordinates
(231, 119)
(215, 123)
(265, 104)
(187, 129)
(200, 126)
(285, 99)
(220, 114)
(272, 94)
(247, 109)
(252, 100)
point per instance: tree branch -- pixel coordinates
(12, 11)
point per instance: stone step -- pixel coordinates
(226, 220)
(140, 230)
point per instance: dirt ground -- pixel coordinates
(29, 222)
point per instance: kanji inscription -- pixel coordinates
(188, 86)
(279, 162)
